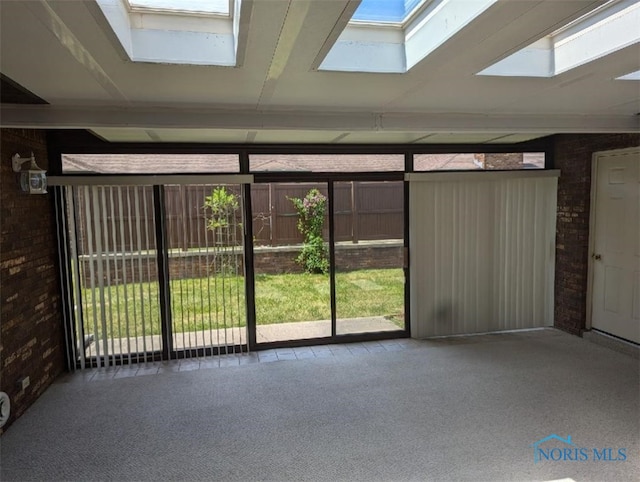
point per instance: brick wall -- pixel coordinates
(573, 155)
(268, 260)
(349, 257)
(31, 332)
(513, 160)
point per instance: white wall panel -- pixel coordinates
(482, 252)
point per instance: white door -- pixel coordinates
(616, 245)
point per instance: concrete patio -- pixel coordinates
(302, 330)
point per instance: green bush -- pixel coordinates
(221, 217)
(220, 209)
(314, 256)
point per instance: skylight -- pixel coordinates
(394, 35)
(632, 76)
(218, 7)
(385, 11)
(606, 29)
(196, 32)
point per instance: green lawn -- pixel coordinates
(205, 303)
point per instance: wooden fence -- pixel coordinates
(363, 211)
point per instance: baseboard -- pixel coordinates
(617, 344)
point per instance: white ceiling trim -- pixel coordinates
(82, 117)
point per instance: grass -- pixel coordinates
(205, 303)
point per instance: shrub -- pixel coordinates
(220, 208)
(314, 256)
(221, 211)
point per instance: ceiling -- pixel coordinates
(65, 53)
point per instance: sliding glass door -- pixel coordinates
(161, 271)
(328, 260)
(369, 247)
(291, 261)
(205, 258)
(155, 272)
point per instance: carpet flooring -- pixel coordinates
(457, 409)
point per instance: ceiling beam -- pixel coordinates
(291, 29)
(43, 11)
(87, 117)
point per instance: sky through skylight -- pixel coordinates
(391, 11)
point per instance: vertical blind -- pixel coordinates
(482, 251)
(206, 268)
(113, 281)
(113, 285)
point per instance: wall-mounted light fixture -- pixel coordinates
(32, 180)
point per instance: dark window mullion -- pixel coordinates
(66, 278)
(249, 274)
(332, 258)
(408, 167)
(162, 259)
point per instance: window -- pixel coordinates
(478, 162)
(326, 163)
(149, 163)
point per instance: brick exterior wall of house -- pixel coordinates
(513, 160)
(31, 336)
(573, 156)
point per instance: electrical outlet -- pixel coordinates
(23, 383)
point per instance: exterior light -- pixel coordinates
(32, 180)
